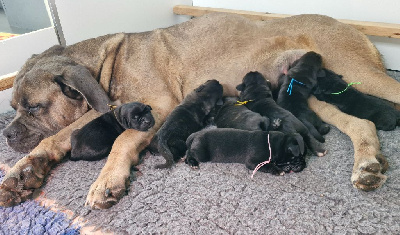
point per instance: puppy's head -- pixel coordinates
(294, 151)
(208, 95)
(306, 69)
(135, 115)
(254, 86)
(327, 83)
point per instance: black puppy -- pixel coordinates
(295, 89)
(257, 92)
(94, 140)
(235, 115)
(333, 89)
(185, 119)
(227, 145)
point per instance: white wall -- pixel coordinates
(15, 51)
(365, 10)
(83, 19)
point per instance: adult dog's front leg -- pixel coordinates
(369, 163)
(113, 180)
(29, 172)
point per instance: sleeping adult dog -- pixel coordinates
(64, 88)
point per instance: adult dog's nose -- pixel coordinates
(13, 131)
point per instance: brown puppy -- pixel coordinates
(59, 90)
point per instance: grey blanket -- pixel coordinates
(223, 199)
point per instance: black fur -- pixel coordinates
(356, 103)
(227, 145)
(254, 87)
(185, 119)
(304, 70)
(94, 140)
(234, 115)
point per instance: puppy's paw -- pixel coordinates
(109, 187)
(368, 175)
(193, 163)
(324, 129)
(276, 123)
(20, 182)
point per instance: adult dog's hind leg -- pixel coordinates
(369, 164)
(29, 172)
(375, 82)
(113, 180)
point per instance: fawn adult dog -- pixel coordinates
(63, 88)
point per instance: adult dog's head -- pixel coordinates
(50, 92)
(135, 115)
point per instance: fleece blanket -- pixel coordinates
(221, 198)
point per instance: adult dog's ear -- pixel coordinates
(76, 82)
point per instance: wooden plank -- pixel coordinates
(369, 28)
(6, 81)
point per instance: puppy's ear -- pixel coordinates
(321, 73)
(294, 149)
(198, 89)
(269, 84)
(240, 87)
(300, 142)
(148, 107)
(77, 82)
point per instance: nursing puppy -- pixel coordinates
(186, 118)
(257, 92)
(235, 115)
(94, 140)
(227, 145)
(295, 89)
(333, 89)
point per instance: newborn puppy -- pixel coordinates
(333, 89)
(94, 140)
(235, 115)
(186, 118)
(256, 90)
(295, 89)
(227, 145)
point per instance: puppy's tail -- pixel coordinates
(164, 150)
(264, 124)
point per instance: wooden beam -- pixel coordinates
(368, 28)
(6, 81)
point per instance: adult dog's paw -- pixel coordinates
(107, 190)
(369, 176)
(19, 183)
